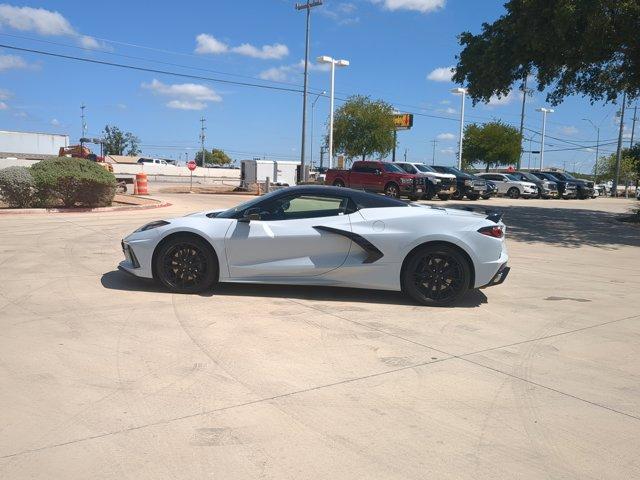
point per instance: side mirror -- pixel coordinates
(378, 172)
(251, 214)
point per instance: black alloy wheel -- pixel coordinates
(457, 195)
(444, 196)
(436, 275)
(186, 264)
(473, 196)
(513, 192)
(392, 190)
(338, 183)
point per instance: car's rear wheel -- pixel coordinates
(186, 264)
(444, 196)
(338, 183)
(392, 190)
(513, 192)
(457, 195)
(473, 196)
(436, 275)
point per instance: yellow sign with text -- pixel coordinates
(403, 121)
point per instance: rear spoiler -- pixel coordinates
(494, 216)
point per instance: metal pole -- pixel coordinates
(633, 128)
(524, 99)
(313, 106)
(202, 138)
(433, 158)
(333, 75)
(619, 151)
(595, 166)
(461, 131)
(529, 165)
(321, 155)
(544, 129)
(395, 142)
(405, 154)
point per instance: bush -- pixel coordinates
(73, 181)
(16, 186)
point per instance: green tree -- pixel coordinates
(629, 166)
(587, 47)
(117, 142)
(214, 157)
(363, 127)
(491, 144)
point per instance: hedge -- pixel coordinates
(16, 186)
(74, 182)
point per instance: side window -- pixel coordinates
(407, 168)
(360, 168)
(305, 206)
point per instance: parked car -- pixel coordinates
(492, 190)
(441, 184)
(434, 255)
(511, 186)
(546, 188)
(584, 188)
(379, 177)
(152, 161)
(466, 184)
(566, 189)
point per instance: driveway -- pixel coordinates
(109, 377)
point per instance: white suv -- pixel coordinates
(441, 184)
(510, 185)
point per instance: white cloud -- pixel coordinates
(448, 110)
(496, 101)
(266, 52)
(441, 74)
(446, 136)
(422, 6)
(341, 13)
(44, 22)
(284, 73)
(12, 62)
(184, 96)
(4, 94)
(21, 114)
(448, 151)
(275, 74)
(186, 105)
(55, 122)
(313, 66)
(569, 130)
(445, 102)
(206, 43)
(3, 106)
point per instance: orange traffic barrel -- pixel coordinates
(141, 184)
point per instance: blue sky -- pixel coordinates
(399, 51)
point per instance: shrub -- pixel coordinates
(16, 186)
(73, 181)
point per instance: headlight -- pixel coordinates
(152, 225)
(468, 183)
(436, 180)
(406, 180)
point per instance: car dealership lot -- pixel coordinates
(107, 376)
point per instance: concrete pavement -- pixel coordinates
(105, 376)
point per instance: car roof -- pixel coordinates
(361, 198)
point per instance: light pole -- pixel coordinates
(313, 106)
(305, 6)
(595, 166)
(544, 129)
(463, 93)
(333, 63)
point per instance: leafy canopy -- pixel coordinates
(629, 165)
(491, 144)
(362, 127)
(215, 157)
(588, 47)
(117, 142)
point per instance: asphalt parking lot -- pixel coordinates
(104, 376)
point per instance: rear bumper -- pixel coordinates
(499, 277)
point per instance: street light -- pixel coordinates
(463, 93)
(544, 129)
(333, 63)
(313, 106)
(595, 167)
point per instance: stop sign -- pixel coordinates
(191, 165)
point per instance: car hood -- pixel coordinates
(205, 213)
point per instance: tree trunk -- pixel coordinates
(487, 168)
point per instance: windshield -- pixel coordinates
(548, 176)
(231, 213)
(512, 177)
(569, 176)
(530, 176)
(407, 167)
(424, 168)
(390, 167)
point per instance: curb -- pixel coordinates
(32, 211)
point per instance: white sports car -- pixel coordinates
(321, 235)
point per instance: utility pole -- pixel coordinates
(619, 151)
(633, 128)
(202, 137)
(524, 100)
(433, 158)
(405, 154)
(305, 6)
(544, 111)
(395, 144)
(84, 124)
(322, 148)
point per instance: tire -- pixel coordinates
(338, 183)
(444, 196)
(436, 275)
(473, 196)
(457, 195)
(513, 192)
(392, 190)
(414, 198)
(429, 193)
(486, 197)
(191, 255)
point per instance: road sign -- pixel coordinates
(403, 121)
(191, 165)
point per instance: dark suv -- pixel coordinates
(546, 188)
(466, 184)
(584, 189)
(565, 189)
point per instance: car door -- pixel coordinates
(374, 178)
(296, 236)
(357, 175)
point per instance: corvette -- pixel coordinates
(322, 235)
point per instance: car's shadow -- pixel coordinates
(117, 280)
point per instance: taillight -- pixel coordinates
(494, 231)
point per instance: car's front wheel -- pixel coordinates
(186, 264)
(513, 192)
(338, 183)
(436, 275)
(457, 195)
(444, 196)
(392, 190)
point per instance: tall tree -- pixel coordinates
(491, 144)
(219, 157)
(588, 47)
(629, 166)
(117, 142)
(363, 127)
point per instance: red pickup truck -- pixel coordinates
(381, 177)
